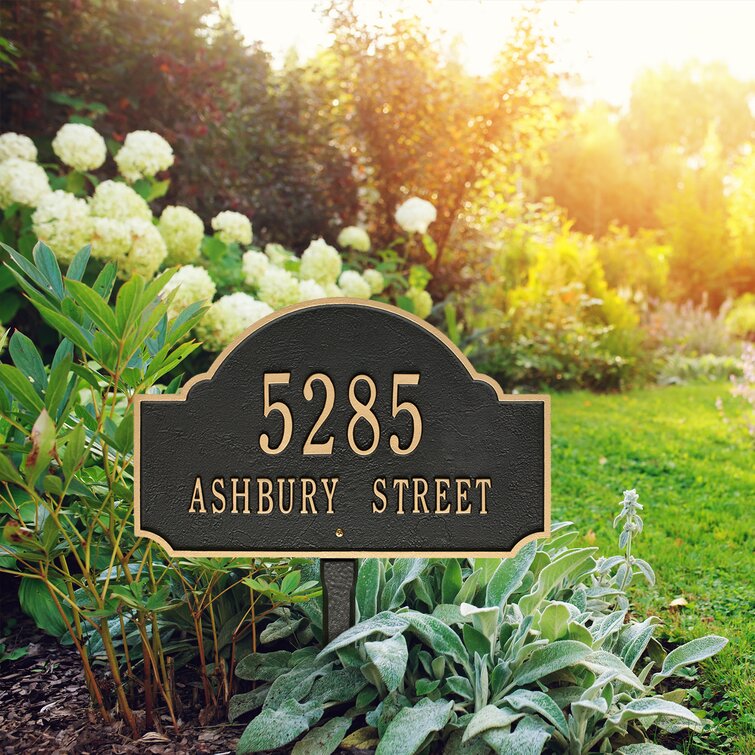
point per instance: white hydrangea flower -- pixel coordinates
(232, 227)
(227, 318)
(321, 262)
(278, 254)
(147, 251)
(253, 265)
(332, 291)
(310, 290)
(422, 301)
(143, 155)
(352, 284)
(355, 237)
(23, 182)
(375, 280)
(278, 288)
(111, 240)
(62, 221)
(415, 215)
(183, 231)
(79, 146)
(116, 201)
(17, 145)
(193, 283)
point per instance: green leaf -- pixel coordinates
(95, 306)
(47, 264)
(369, 581)
(26, 357)
(78, 265)
(127, 304)
(689, 653)
(509, 575)
(437, 635)
(274, 728)
(549, 659)
(70, 329)
(103, 285)
(8, 471)
(278, 629)
(490, 717)
(409, 729)
(325, 739)
(452, 580)
(540, 703)
(484, 620)
(390, 658)
(36, 601)
(20, 388)
(385, 623)
(554, 621)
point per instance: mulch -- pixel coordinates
(45, 708)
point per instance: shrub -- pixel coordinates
(563, 326)
(132, 612)
(539, 652)
(71, 208)
(740, 318)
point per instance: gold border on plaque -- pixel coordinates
(182, 395)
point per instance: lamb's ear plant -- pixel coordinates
(534, 653)
(66, 498)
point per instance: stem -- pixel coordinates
(126, 711)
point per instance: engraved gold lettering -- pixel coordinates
(461, 496)
(308, 488)
(481, 484)
(400, 484)
(264, 495)
(379, 494)
(197, 497)
(236, 495)
(419, 496)
(330, 492)
(217, 490)
(441, 490)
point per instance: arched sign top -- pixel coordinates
(342, 428)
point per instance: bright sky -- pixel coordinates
(605, 42)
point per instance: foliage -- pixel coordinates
(740, 317)
(66, 498)
(562, 326)
(417, 123)
(537, 651)
(250, 138)
(676, 368)
(689, 330)
(115, 217)
(672, 445)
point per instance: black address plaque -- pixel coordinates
(340, 429)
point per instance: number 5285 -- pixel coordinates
(362, 413)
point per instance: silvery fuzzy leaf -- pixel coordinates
(275, 727)
(403, 572)
(450, 613)
(655, 706)
(323, 740)
(645, 748)
(551, 575)
(528, 738)
(263, 666)
(508, 577)
(646, 570)
(437, 635)
(385, 623)
(549, 659)
(279, 629)
(538, 702)
(461, 686)
(338, 686)
(601, 661)
(689, 653)
(411, 727)
(246, 701)
(490, 717)
(390, 657)
(370, 578)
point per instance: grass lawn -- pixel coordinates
(696, 479)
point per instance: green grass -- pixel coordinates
(696, 479)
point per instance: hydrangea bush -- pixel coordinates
(68, 207)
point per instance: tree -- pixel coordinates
(418, 124)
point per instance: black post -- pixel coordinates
(339, 579)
